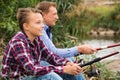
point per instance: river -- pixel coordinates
(101, 42)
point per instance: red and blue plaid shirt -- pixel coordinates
(22, 57)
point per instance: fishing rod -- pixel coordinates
(93, 71)
(98, 59)
(109, 46)
(103, 47)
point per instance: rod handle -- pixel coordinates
(90, 62)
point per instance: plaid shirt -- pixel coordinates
(22, 57)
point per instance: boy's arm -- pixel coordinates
(23, 57)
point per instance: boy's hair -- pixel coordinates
(23, 13)
(45, 5)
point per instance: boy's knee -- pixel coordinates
(50, 76)
(54, 76)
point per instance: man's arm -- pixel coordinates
(67, 52)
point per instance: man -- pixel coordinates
(21, 60)
(50, 17)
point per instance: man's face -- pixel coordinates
(51, 17)
(35, 24)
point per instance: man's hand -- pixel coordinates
(86, 49)
(72, 68)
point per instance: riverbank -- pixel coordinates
(104, 32)
(113, 65)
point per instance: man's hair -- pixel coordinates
(23, 14)
(45, 5)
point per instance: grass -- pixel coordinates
(0, 63)
(102, 9)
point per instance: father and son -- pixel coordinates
(31, 54)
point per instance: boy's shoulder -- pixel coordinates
(19, 36)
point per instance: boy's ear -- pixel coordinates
(25, 26)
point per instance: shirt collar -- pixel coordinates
(46, 27)
(28, 40)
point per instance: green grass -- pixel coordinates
(102, 9)
(0, 63)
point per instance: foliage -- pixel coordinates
(108, 20)
(80, 23)
(8, 9)
(63, 5)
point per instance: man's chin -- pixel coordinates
(52, 25)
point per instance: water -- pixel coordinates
(96, 43)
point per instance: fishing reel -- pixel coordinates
(91, 70)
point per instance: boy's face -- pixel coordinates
(35, 24)
(51, 17)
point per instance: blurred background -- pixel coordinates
(92, 22)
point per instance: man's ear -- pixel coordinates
(25, 26)
(44, 14)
